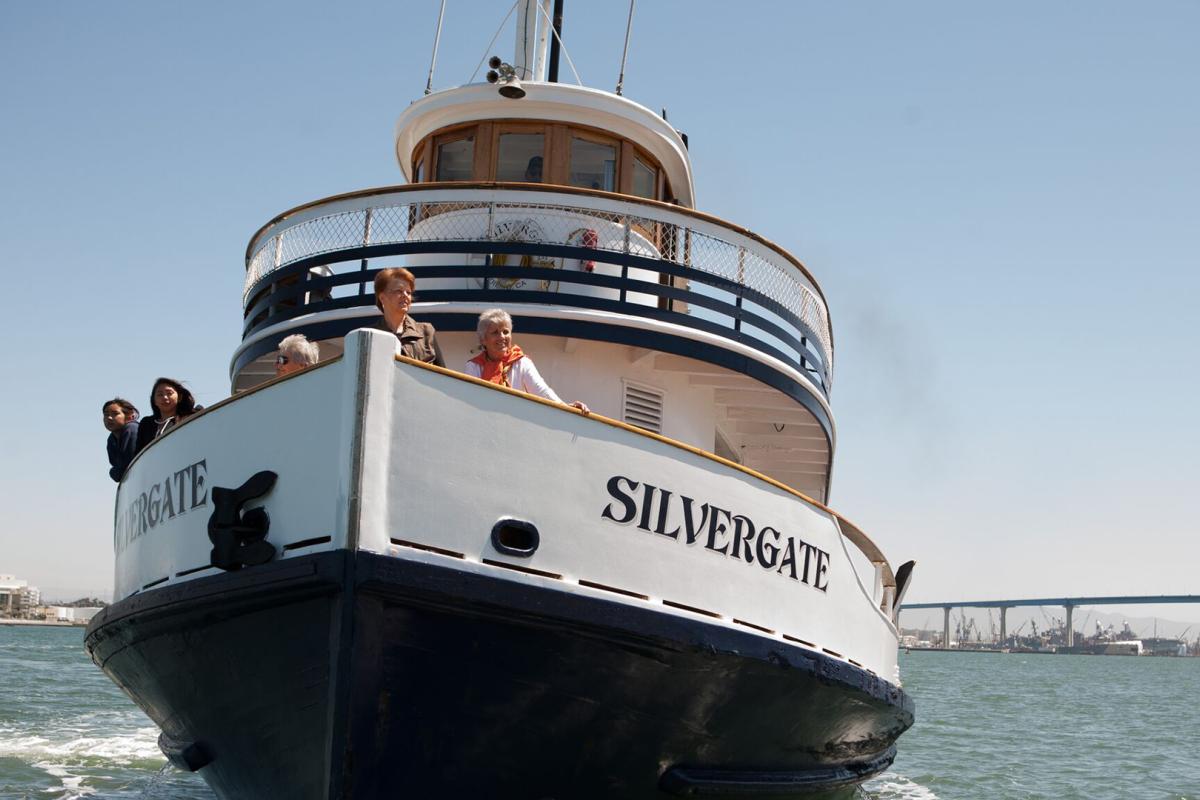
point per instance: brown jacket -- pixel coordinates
(417, 340)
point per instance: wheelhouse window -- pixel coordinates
(455, 159)
(593, 165)
(645, 180)
(521, 157)
(529, 152)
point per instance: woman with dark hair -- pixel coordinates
(121, 422)
(172, 403)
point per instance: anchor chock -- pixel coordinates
(238, 536)
(187, 756)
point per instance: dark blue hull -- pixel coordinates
(333, 676)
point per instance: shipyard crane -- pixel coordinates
(1015, 636)
(1083, 627)
(966, 626)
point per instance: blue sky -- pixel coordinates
(1002, 205)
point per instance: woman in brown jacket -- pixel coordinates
(394, 295)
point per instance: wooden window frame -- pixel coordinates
(595, 137)
(501, 127)
(556, 152)
(435, 142)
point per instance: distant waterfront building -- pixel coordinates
(13, 594)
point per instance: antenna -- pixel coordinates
(625, 55)
(437, 37)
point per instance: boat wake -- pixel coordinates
(892, 786)
(74, 762)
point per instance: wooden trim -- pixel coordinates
(559, 156)
(428, 156)
(482, 168)
(423, 152)
(625, 168)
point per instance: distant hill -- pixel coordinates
(86, 602)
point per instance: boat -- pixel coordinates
(377, 577)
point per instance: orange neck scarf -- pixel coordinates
(497, 371)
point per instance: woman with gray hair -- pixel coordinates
(503, 363)
(295, 353)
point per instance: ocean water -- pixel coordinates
(996, 726)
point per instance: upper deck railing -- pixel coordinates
(525, 243)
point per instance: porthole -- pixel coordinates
(515, 537)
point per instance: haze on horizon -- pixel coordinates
(1000, 204)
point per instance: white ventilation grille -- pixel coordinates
(642, 406)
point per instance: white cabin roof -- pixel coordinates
(550, 102)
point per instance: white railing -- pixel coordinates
(467, 213)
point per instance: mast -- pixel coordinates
(525, 48)
(543, 37)
(555, 41)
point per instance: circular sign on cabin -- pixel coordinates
(522, 230)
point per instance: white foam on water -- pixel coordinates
(72, 785)
(893, 786)
(120, 749)
(63, 759)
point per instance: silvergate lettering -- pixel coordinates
(176, 494)
(720, 531)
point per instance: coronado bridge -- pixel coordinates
(1069, 603)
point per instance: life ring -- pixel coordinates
(584, 237)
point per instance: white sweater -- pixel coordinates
(524, 376)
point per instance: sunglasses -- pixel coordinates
(281, 360)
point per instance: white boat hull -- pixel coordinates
(489, 592)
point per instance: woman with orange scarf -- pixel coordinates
(502, 362)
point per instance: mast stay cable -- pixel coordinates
(562, 45)
(495, 36)
(437, 37)
(625, 55)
